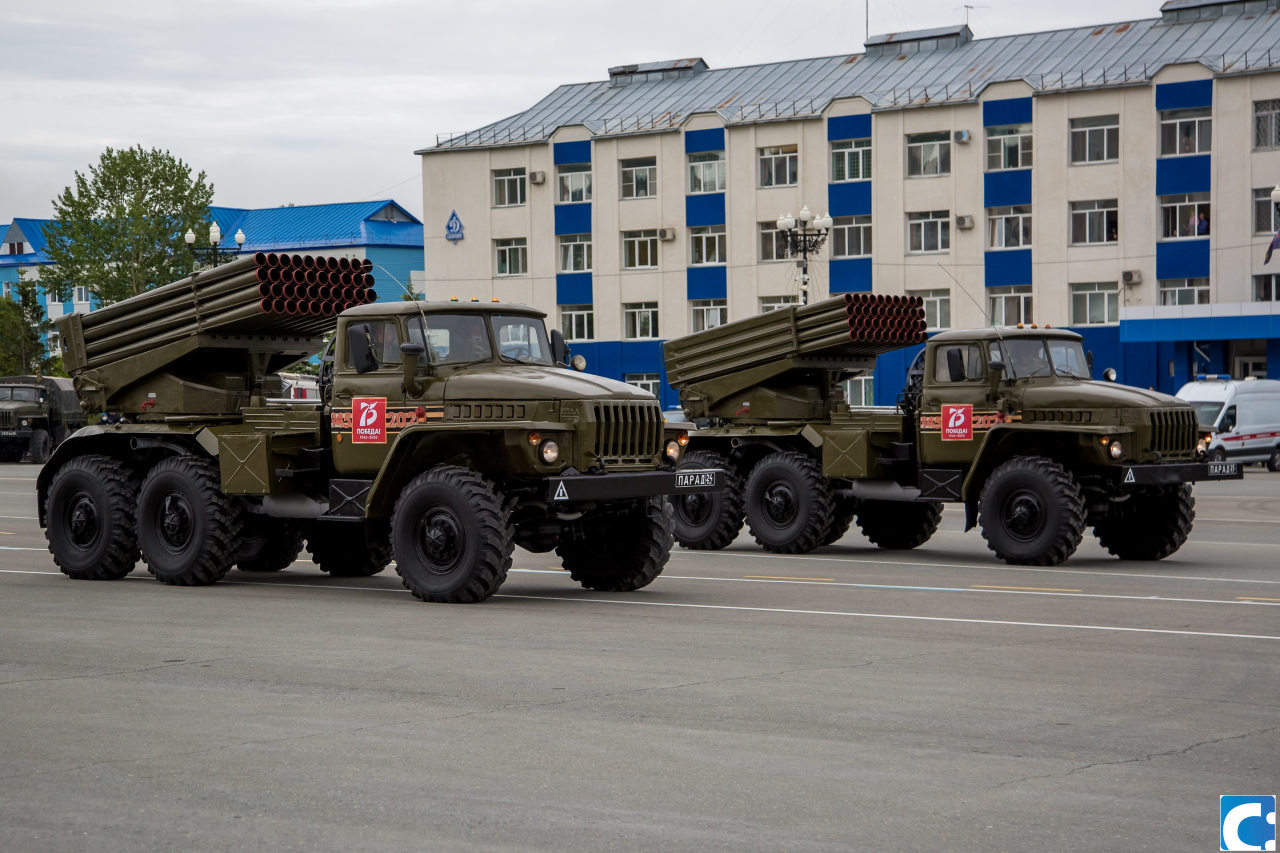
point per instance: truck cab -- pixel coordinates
(36, 414)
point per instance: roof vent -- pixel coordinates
(919, 41)
(672, 69)
(1180, 11)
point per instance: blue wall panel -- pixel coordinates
(1001, 189)
(849, 127)
(615, 359)
(850, 275)
(1273, 358)
(573, 218)
(1182, 259)
(391, 265)
(1104, 343)
(1011, 266)
(573, 288)
(707, 283)
(1190, 174)
(1200, 329)
(697, 141)
(704, 209)
(1007, 111)
(891, 374)
(852, 198)
(568, 153)
(1184, 96)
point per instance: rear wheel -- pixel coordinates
(1150, 525)
(41, 446)
(188, 530)
(621, 551)
(899, 525)
(349, 549)
(789, 504)
(268, 544)
(1031, 512)
(709, 521)
(90, 518)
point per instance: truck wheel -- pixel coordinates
(188, 529)
(90, 518)
(1031, 512)
(452, 538)
(708, 522)
(268, 544)
(1149, 526)
(342, 550)
(899, 525)
(626, 553)
(1273, 464)
(841, 520)
(789, 503)
(41, 446)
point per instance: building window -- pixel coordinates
(706, 172)
(851, 237)
(1184, 291)
(575, 183)
(513, 257)
(937, 308)
(1096, 139)
(1009, 306)
(929, 231)
(1094, 222)
(1095, 303)
(709, 313)
(1266, 288)
(644, 381)
(861, 390)
(1266, 124)
(508, 187)
(640, 177)
(779, 166)
(1265, 220)
(928, 154)
(773, 243)
(575, 253)
(1184, 216)
(640, 320)
(1009, 227)
(1008, 147)
(851, 160)
(17, 248)
(640, 249)
(773, 303)
(577, 322)
(81, 294)
(707, 246)
(1185, 132)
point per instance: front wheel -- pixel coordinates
(1218, 455)
(709, 521)
(90, 518)
(1273, 463)
(41, 446)
(1032, 512)
(789, 503)
(1150, 525)
(621, 551)
(188, 530)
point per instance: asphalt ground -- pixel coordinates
(851, 699)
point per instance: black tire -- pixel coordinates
(453, 539)
(349, 549)
(41, 446)
(268, 544)
(899, 525)
(188, 530)
(1031, 512)
(841, 520)
(1219, 454)
(90, 517)
(1273, 463)
(1150, 525)
(621, 552)
(709, 522)
(789, 503)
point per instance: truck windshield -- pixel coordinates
(1068, 359)
(1207, 413)
(1026, 358)
(521, 339)
(452, 338)
(22, 395)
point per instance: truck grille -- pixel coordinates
(6, 419)
(627, 433)
(1173, 431)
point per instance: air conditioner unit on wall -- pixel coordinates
(666, 233)
(964, 223)
(1131, 276)
(961, 136)
(537, 177)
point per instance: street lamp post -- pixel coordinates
(801, 240)
(213, 255)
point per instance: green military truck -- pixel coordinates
(445, 434)
(36, 414)
(1006, 422)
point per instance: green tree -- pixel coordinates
(24, 332)
(119, 230)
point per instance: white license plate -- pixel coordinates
(693, 481)
(1223, 469)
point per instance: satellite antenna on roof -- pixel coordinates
(966, 8)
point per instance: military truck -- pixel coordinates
(445, 434)
(36, 414)
(1006, 422)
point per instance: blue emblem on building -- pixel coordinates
(453, 228)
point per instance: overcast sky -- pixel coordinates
(313, 101)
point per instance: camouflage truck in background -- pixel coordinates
(36, 414)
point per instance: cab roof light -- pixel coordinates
(453, 299)
(494, 299)
(475, 299)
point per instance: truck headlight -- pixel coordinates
(683, 439)
(1116, 449)
(673, 450)
(550, 451)
(24, 423)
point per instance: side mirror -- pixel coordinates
(1109, 374)
(579, 363)
(995, 372)
(358, 346)
(559, 352)
(955, 365)
(1088, 360)
(409, 355)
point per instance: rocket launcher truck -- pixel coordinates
(1007, 422)
(444, 434)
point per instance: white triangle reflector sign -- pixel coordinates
(1128, 478)
(563, 495)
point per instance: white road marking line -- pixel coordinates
(1240, 520)
(22, 517)
(895, 616)
(15, 548)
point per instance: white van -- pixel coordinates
(1244, 413)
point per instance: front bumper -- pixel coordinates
(23, 433)
(646, 484)
(1173, 474)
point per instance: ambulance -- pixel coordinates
(1244, 415)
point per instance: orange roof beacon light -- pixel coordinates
(475, 299)
(453, 299)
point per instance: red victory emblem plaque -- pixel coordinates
(369, 420)
(957, 423)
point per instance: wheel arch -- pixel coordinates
(416, 450)
(1003, 443)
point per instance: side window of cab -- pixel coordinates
(383, 339)
(957, 363)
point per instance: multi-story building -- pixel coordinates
(1113, 178)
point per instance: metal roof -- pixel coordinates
(917, 35)
(368, 223)
(1244, 38)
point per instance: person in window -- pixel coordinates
(1111, 234)
(1202, 227)
(1188, 143)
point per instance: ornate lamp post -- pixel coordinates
(801, 240)
(213, 255)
